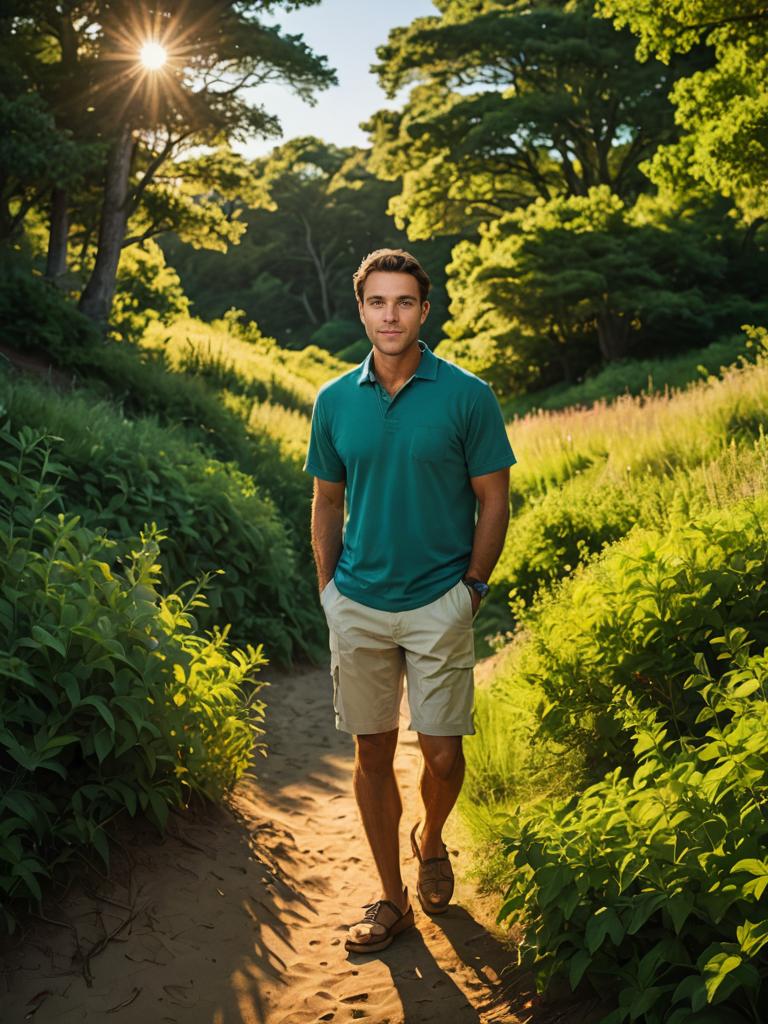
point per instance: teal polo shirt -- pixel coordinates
(407, 461)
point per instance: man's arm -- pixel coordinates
(327, 523)
(492, 493)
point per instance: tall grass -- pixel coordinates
(256, 367)
(585, 479)
(656, 433)
(635, 377)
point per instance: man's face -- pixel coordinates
(392, 311)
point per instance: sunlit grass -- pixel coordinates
(258, 367)
(654, 434)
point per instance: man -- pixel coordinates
(418, 448)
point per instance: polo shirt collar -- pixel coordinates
(426, 370)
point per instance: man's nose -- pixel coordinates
(390, 312)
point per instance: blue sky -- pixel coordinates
(347, 33)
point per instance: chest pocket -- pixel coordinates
(429, 444)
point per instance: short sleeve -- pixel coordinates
(486, 445)
(323, 460)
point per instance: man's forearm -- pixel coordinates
(488, 541)
(327, 525)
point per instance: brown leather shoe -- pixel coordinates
(382, 921)
(435, 884)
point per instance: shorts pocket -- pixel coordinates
(429, 444)
(324, 591)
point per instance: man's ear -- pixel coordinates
(360, 311)
(424, 310)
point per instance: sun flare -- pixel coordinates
(153, 56)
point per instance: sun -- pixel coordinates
(153, 55)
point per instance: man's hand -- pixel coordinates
(476, 599)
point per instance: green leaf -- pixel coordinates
(604, 922)
(101, 706)
(716, 970)
(751, 865)
(577, 966)
(103, 743)
(48, 640)
(752, 936)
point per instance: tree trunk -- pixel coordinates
(96, 300)
(56, 263)
(320, 269)
(613, 335)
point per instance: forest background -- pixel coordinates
(586, 185)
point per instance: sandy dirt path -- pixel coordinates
(238, 915)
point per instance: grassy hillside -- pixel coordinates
(617, 782)
(154, 525)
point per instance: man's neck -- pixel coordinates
(392, 371)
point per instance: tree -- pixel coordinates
(314, 211)
(722, 109)
(514, 102)
(36, 154)
(551, 289)
(147, 118)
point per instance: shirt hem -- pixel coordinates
(398, 608)
(323, 474)
(493, 467)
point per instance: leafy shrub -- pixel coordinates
(111, 700)
(557, 531)
(141, 385)
(356, 352)
(121, 475)
(36, 317)
(653, 886)
(561, 529)
(337, 334)
(639, 617)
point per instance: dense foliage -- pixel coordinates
(117, 702)
(315, 211)
(625, 828)
(654, 875)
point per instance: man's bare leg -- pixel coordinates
(442, 775)
(380, 806)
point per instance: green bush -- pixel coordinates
(35, 316)
(337, 334)
(111, 701)
(356, 352)
(121, 475)
(561, 529)
(558, 530)
(640, 616)
(653, 886)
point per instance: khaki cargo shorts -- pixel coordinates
(371, 650)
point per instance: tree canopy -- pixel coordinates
(514, 102)
(722, 109)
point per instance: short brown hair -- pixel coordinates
(391, 260)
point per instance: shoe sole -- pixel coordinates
(406, 921)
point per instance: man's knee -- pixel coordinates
(441, 755)
(376, 752)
